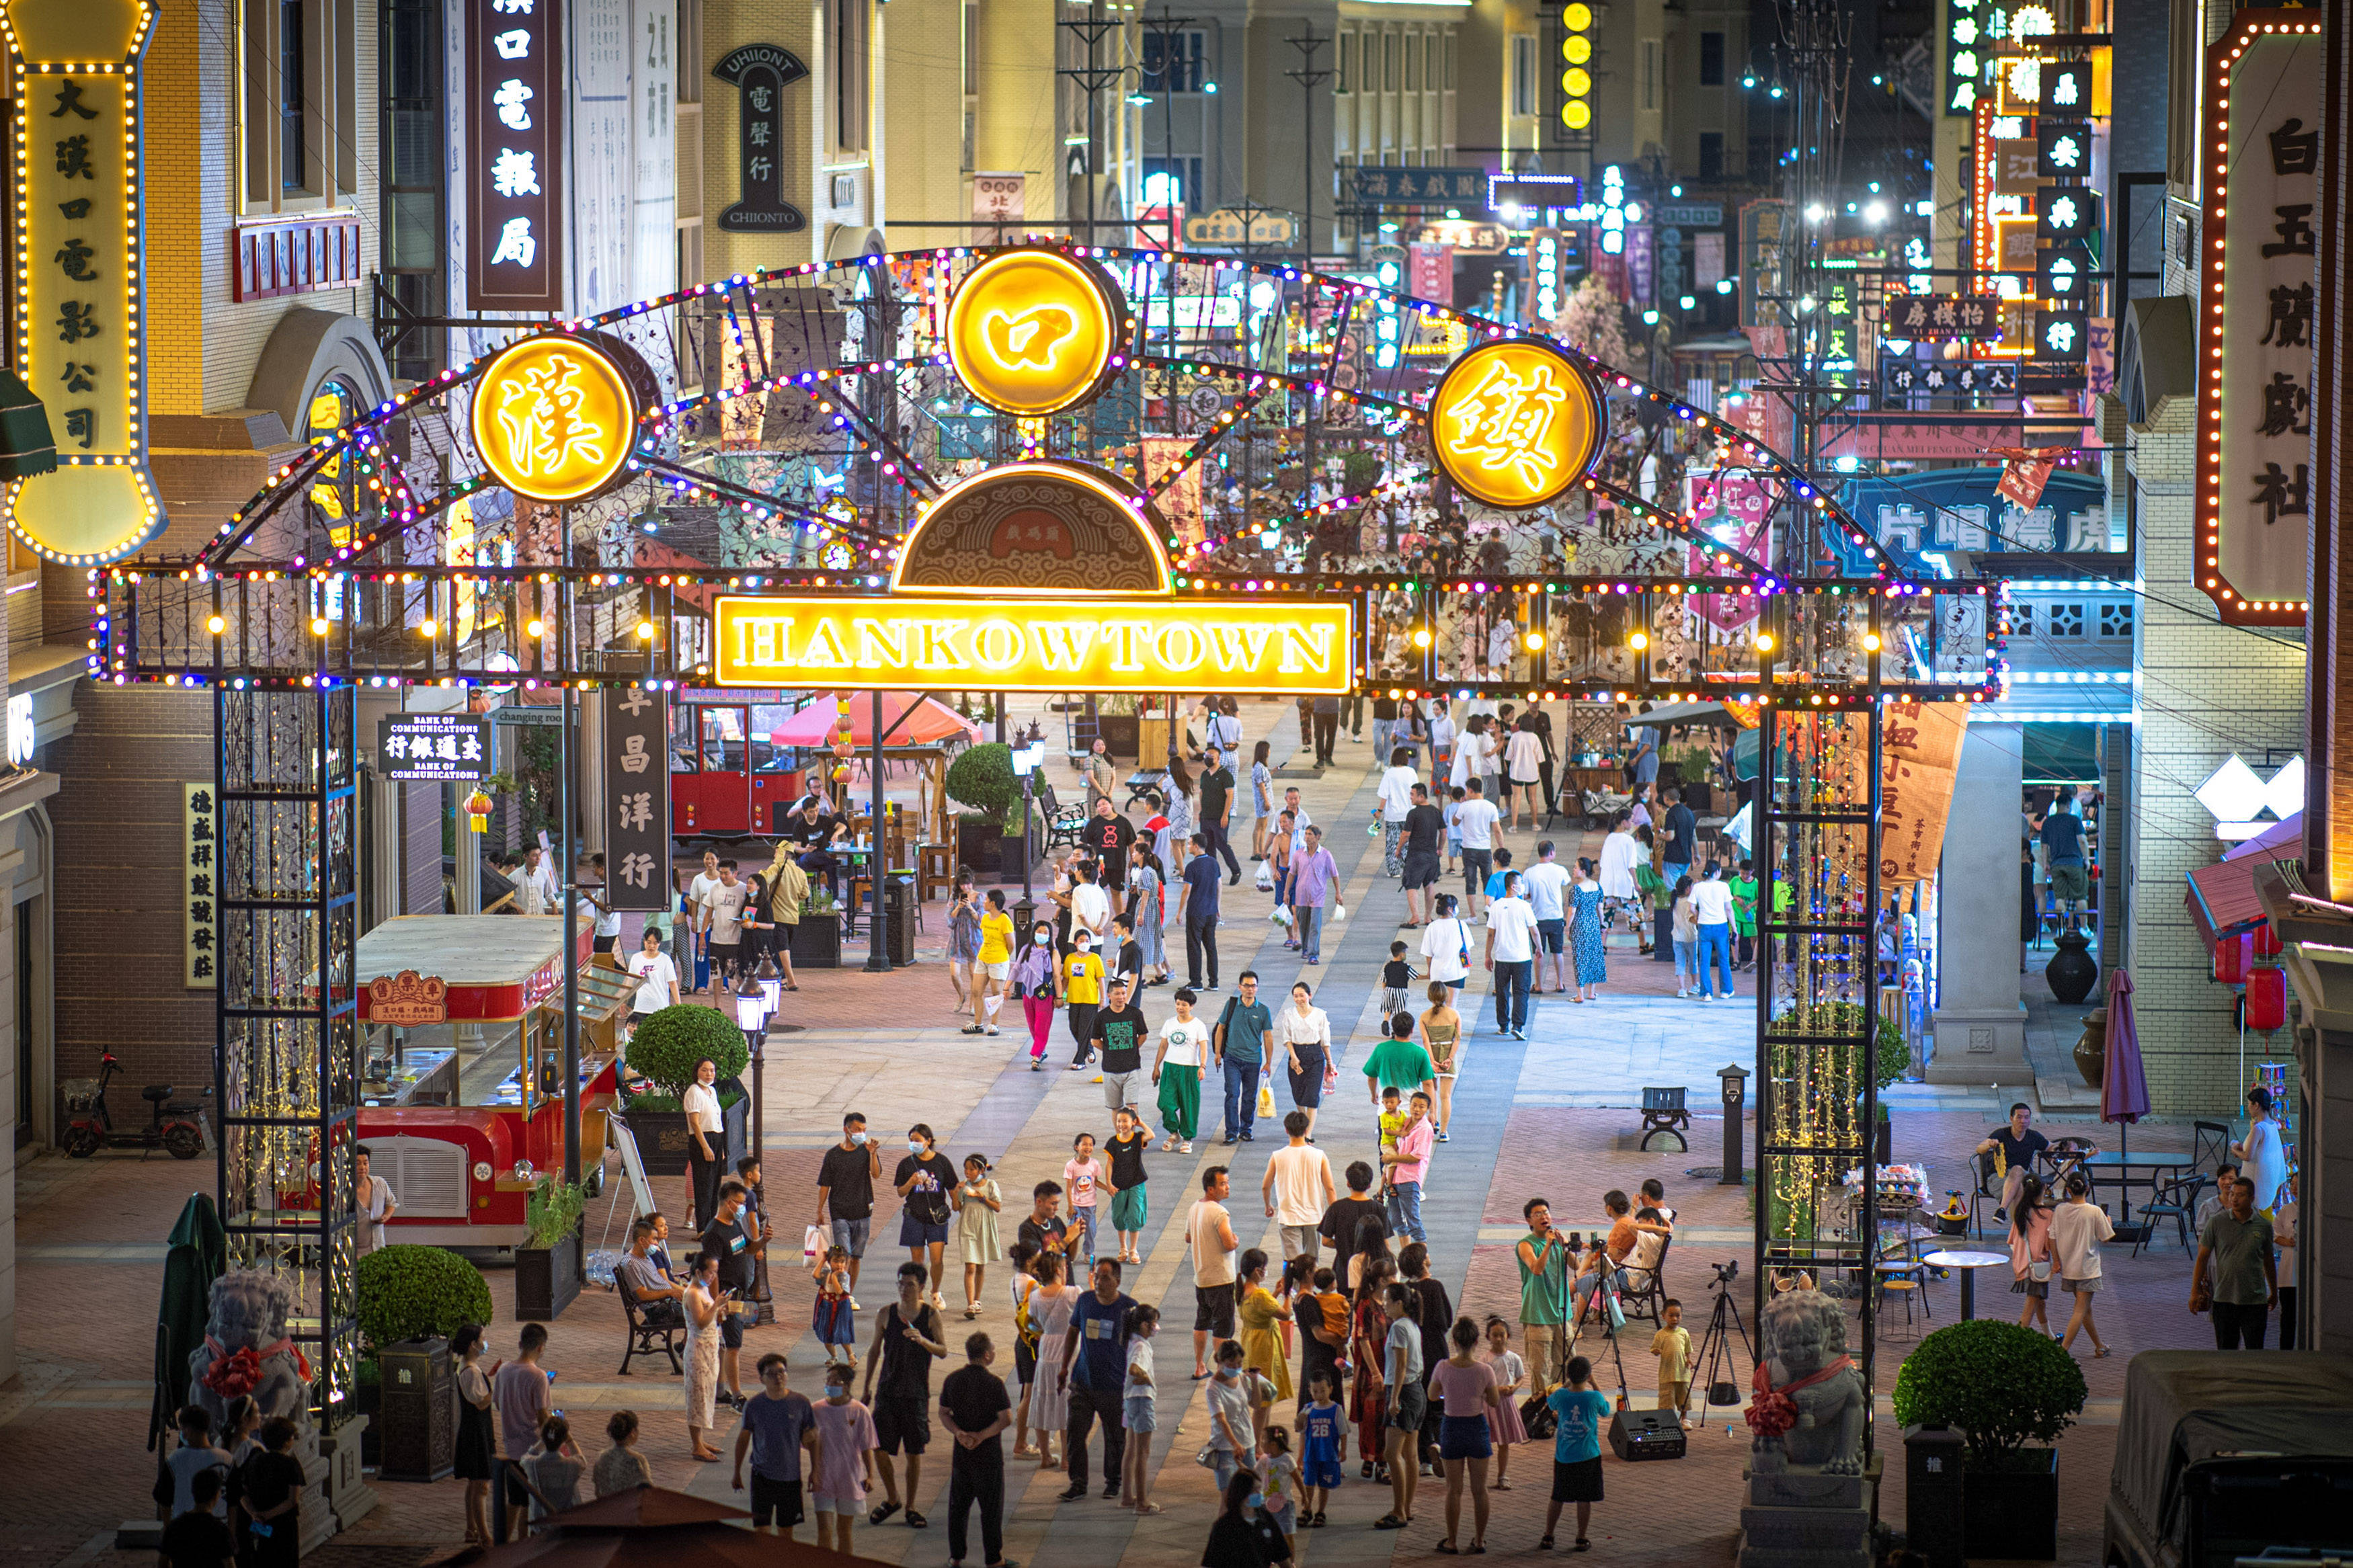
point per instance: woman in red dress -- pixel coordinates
(1368, 1399)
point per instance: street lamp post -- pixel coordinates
(752, 1017)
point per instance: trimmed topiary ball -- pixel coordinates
(408, 1292)
(669, 1042)
(1996, 1383)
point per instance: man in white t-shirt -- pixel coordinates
(698, 915)
(539, 871)
(1298, 1189)
(1090, 905)
(1547, 886)
(1396, 799)
(1512, 954)
(377, 1204)
(1712, 908)
(1474, 822)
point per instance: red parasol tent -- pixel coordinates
(2124, 1085)
(909, 719)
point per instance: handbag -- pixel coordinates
(1537, 1417)
(1208, 1457)
(2038, 1268)
(1331, 1076)
(815, 1239)
(1266, 1100)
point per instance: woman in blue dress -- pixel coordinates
(1585, 932)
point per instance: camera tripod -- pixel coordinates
(1594, 1308)
(1714, 1353)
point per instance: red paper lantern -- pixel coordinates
(2267, 942)
(2230, 961)
(2266, 999)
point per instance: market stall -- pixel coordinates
(462, 1091)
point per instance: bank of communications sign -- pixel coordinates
(1289, 649)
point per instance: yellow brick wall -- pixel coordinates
(206, 346)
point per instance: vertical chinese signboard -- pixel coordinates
(199, 897)
(516, 152)
(761, 72)
(80, 294)
(2262, 156)
(636, 792)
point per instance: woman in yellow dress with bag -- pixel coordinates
(1257, 1312)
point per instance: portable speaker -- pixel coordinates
(1646, 1434)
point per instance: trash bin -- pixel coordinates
(1932, 1494)
(899, 918)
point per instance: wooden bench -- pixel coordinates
(1664, 1111)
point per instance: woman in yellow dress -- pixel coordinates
(1258, 1312)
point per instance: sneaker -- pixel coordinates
(1442, 1137)
(1037, 1066)
(1228, 1139)
(853, 1304)
(1250, 1137)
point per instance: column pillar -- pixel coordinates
(1979, 1026)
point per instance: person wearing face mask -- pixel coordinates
(1034, 981)
(1080, 982)
(924, 1180)
(845, 1193)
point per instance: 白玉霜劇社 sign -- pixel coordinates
(1278, 647)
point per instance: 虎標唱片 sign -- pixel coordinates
(1289, 647)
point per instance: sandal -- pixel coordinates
(1316, 1519)
(1545, 1544)
(1499, 1486)
(1388, 1521)
(1144, 1509)
(1447, 1549)
(881, 1512)
(1582, 1545)
(2102, 1352)
(916, 1520)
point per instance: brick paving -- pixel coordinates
(87, 1269)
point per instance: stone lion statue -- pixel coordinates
(246, 1349)
(1809, 1409)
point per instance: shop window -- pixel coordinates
(297, 102)
(849, 68)
(1524, 74)
(1173, 61)
(1413, 65)
(1345, 62)
(1711, 59)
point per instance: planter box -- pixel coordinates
(662, 1142)
(546, 1280)
(1014, 857)
(976, 845)
(817, 940)
(2012, 1513)
(415, 1430)
(1118, 731)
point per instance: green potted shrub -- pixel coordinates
(664, 1049)
(2010, 1392)
(982, 777)
(410, 1300)
(548, 1265)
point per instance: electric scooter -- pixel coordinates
(176, 1125)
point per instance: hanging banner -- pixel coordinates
(516, 153)
(761, 72)
(1736, 512)
(433, 748)
(1180, 504)
(1920, 756)
(80, 288)
(1431, 272)
(637, 790)
(200, 889)
(2262, 152)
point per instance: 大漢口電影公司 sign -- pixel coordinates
(1284, 647)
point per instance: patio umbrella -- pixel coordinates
(928, 723)
(197, 1255)
(2124, 1086)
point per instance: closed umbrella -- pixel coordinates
(197, 1255)
(2124, 1085)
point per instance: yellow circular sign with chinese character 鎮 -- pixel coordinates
(1514, 424)
(1032, 331)
(554, 418)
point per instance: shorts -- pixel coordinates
(1001, 970)
(1464, 1438)
(1421, 868)
(2070, 879)
(1213, 1311)
(731, 1331)
(1299, 1241)
(1554, 935)
(1576, 1481)
(846, 1507)
(775, 1503)
(1478, 864)
(605, 943)
(1139, 1413)
(914, 1232)
(1408, 1405)
(851, 1234)
(1324, 1473)
(1121, 1088)
(2079, 1286)
(1128, 1209)
(724, 955)
(903, 1421)
(2037, 1289)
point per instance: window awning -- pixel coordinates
(2222, 897)
(26, 447)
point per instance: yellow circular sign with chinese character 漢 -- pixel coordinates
(1032, 331)
(554, 418)
(1514, 424)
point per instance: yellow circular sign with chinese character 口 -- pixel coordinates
(1032, 331)
(554, 418)
(1514, 424)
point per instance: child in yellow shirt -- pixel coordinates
(1392, 1120)
(1672, 1345)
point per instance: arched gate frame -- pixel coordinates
(800, 418)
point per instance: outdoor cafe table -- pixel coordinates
(2114, 1168)
(1967, 1264)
